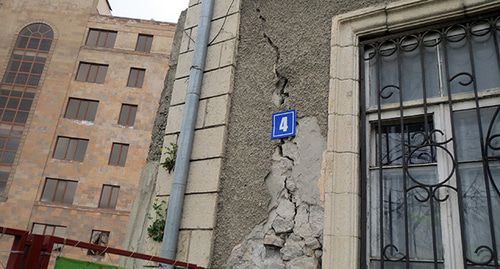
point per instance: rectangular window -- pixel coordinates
(127, 115)
(144, 43)
(48, 229)
(101, 38)
(4, 176)
(81, 109)
(136, 77)
(109, 196)
(59, 191)
(118, 154)
(100, 238)
(92, 72)
(70, 149)
(432, 145)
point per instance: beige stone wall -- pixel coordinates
(70, 20)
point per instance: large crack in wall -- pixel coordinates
(283, 62)
(291, 236)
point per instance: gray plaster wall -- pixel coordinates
(283, 63)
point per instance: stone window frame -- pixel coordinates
(342, 227)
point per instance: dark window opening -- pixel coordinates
(70, 149)
(118, 154)
(127, 115)
(144, 43)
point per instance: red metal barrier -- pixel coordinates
(32, 251)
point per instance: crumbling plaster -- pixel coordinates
(283, 62)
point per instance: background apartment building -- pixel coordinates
(78, 96)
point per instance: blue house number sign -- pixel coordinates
(284, 124)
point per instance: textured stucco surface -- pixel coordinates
(158, 133)
(278, 39)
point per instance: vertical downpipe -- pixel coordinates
(185, 141)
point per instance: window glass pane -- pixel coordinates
(419, 218)
(122, 120)
(25, 104)
(37, 68)
(49, 190)
(72, 108)
(13, 103)
(93, 73)
(21, 79)
(123, 155)
(4, 176)
(149, 43)
(83, 71)
(8, 157)
(82, 110)
(25, 67)
(61, 147)
(105, 195)
(132, 78)
(33, 43)
(467, 133)
(60, 190)
(21, 117)
(101, 75)
(114, 197)
(12, 144)
(81, 149)
(92, 37)
(111, 40)
(476, 216)
(140, 78)
(22, 42)
(8, 116)
(114, 157)
(131, 116)
(70, 192)
(45, 44)
(33, 80)
(92, 110)
(71, 151)
(101, 41)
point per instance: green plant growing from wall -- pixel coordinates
(155, 229)
(171, 154)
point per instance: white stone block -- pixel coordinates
(208, 143)
(199, 211)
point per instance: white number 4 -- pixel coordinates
(284, 124)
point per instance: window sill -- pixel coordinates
(116, 50)
(83, 208)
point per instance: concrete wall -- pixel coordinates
(283, 63)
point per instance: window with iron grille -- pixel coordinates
(101, 38)
(127, 115)
(70, 149)
(118, 154)
(59, 191)
(431, 112)
(81, 109)
(100, 238)
(136, 77)
(144, 43)
(109, 196)
(92, 72)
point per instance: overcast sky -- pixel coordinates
(159, 10)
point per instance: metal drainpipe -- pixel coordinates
(185, 141)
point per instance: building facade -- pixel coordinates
(79, 94)
(395, 160)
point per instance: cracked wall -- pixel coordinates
(283, 62)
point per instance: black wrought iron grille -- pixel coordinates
(431, 147)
